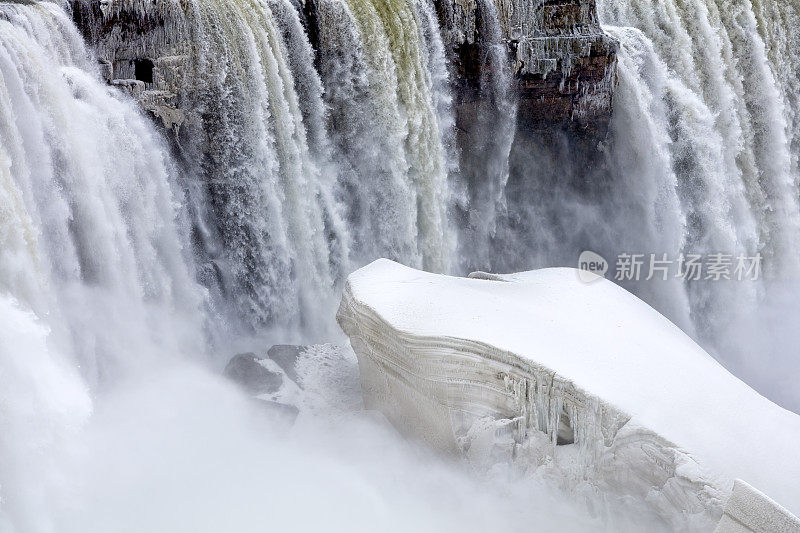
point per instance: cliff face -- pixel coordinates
(563, 65)
(145, 52)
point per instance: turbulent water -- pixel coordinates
(384, 67)
(120, 252)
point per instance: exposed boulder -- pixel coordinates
(285, 355)
(249, 371)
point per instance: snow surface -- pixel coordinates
(750, 510)
(611, 346)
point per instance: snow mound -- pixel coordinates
(581, 382)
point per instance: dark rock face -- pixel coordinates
(146, 52)
(286, 357)
(563, 63)
(247, 370)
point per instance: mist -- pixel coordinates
(177, 447)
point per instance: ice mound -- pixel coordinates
(580, 382)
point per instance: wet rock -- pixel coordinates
(564, 64)
(134, 88)
(247, 370)
(285, 355)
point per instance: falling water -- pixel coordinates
(96, 280)
(369, 135)
(271, 202)
(727, 100)
(383, 65)
(290, 165)
(739, 186)
(489, 141)
(298, 164)
(302, 163)
(93, 238)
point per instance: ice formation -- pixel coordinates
(580, 382)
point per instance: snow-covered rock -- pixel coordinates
(748, 510)
(580, 382)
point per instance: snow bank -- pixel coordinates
(581, 381)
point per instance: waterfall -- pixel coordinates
(775, 21)
(727, 104)
(289, 157)
(272, 200)
(93, 238)
(646, 197)
(715, 51)
(96, 275)
(487, 146)
(303, 154)
(306, 173)
(383, 67)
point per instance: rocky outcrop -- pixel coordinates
(563, 63)
(285, 355)
(144, 50)
(272, 380)
(250, 372)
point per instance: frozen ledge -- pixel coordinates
(581, 383)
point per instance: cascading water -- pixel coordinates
(727, 103)
(383, 66)
(96, 279)
(293, 178)
(270, 199)
(485, 170)
(304, 181)
(775, 22)
(93, 239)
(292, 164)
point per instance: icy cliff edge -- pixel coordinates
(579, 382)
